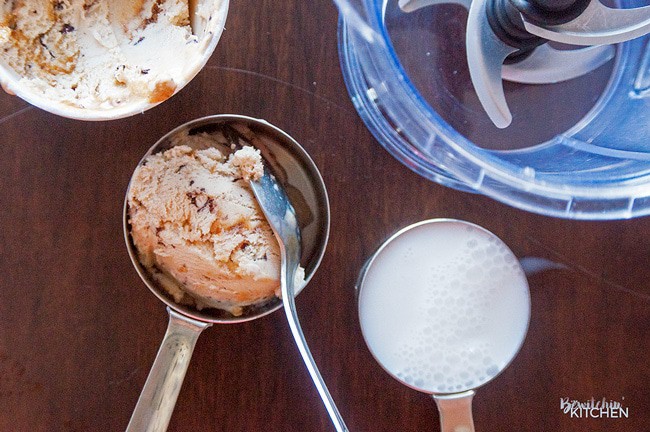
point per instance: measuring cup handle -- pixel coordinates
(455, 412)
(158, 397)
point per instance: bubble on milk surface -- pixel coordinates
(445, 350)
(455, 309)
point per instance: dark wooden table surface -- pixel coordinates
(79, 330)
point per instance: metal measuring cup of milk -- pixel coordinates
(444, 307)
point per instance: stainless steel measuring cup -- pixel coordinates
(444, 308)
(298, 174)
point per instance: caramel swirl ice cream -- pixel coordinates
(198, 228)
(102, 54)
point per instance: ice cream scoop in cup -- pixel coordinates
(444, 307)
(105, 59)
(189, 316)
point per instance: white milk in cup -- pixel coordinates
(444, 306)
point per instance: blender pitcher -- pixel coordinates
(540, 104)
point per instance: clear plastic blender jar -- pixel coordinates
(575, 149)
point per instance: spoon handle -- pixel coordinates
(158, 397)
(298, 335)
(455, 412)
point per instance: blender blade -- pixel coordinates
(506, 39)
(485, 56)
(544, 65)
(596, 25)
(413, 5)
(547, 65)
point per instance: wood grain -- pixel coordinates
(79, 331)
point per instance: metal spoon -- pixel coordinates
(282, 217)
(301, 178)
